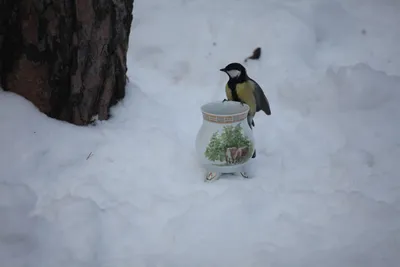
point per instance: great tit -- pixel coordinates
(243, 89)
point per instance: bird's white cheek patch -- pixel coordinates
(233, 73)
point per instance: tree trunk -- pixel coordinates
(68, 57)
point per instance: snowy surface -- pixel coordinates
(326, 186)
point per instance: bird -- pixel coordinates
(241, 88)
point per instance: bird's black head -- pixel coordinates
(235, 71)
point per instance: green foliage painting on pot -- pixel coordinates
(230, 147)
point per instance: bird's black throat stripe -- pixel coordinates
(232, 86)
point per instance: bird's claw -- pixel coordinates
(241, 103)
(224, 100)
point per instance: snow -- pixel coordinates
(129, 192)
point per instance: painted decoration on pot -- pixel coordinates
(229, 146)
(225, 142)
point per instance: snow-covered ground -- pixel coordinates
(326, 186)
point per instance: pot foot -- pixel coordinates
(244, 175)
(211, 176)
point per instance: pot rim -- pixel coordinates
(233, 103)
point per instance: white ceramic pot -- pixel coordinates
(225, 142)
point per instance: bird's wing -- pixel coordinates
(261, 99)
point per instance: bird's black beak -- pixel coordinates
(223, 70)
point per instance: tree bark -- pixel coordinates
(68, 57)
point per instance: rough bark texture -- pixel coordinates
(68, 57)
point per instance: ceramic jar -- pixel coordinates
(225, 142)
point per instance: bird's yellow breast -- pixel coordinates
(245, 92)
